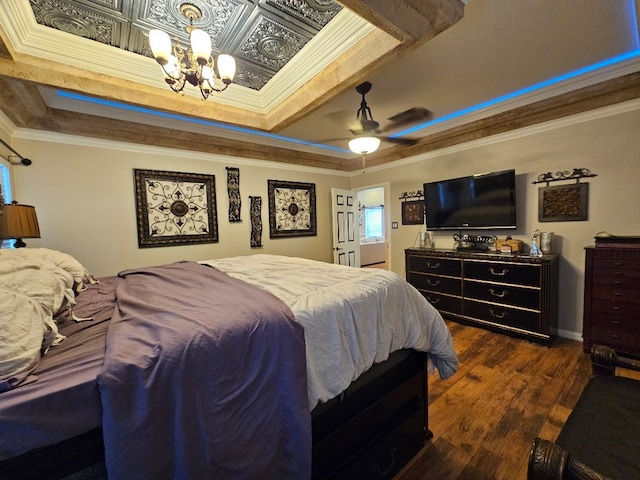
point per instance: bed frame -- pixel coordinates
(370, 431)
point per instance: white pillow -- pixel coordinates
(63, 260)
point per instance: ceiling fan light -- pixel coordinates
(160, 44)
(362, 145)
(200, 45)
(226, 67)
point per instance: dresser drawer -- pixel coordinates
(444, 303)
(612, 272)
(436, 283)
(609, 331)
(619, 294)
(503, 272)
(504, 294)
(441, 266)
(502, 315)
(614, 307)
(617, 281)
(618, 262)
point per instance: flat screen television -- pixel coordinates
(477, 202)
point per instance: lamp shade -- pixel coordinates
(20, 221)
(200, 45)
(364, 144)
(160, 44)
(226, 67)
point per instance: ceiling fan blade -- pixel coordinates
(413, 115)
(399, 140)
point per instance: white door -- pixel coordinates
(346, 236)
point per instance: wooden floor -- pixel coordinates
(506, 392)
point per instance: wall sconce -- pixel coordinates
(20, 221)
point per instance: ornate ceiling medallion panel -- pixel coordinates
(263, 35)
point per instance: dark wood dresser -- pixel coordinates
(612, 295)
(512, 294)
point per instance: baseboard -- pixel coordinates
(577, 336)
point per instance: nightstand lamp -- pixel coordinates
(20, 221)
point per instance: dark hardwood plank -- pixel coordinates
(507, 391)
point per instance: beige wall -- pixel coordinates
(607, 142)
(83, 190)
(84, 194)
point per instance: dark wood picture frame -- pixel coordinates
(563, 203)
(175, 208)
(292, 209)
(413, 212)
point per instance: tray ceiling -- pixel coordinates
(262, 35)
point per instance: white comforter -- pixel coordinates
(352, 317)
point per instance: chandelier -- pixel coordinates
(194, 65)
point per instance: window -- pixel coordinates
(373, 222)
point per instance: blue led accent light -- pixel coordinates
(552, 81)
(199, 121)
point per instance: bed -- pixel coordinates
(333, 363)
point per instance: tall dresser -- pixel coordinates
(612, 295)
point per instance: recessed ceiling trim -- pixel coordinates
(343, 32)
(28, 38)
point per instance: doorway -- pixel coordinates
(374, 226)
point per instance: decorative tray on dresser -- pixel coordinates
(509, 293)
(612, 294)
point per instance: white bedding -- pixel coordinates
(35, 283)
(352, 317)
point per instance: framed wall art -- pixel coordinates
(413, 212)
(562, 203)
(175, 208)
(292, 209)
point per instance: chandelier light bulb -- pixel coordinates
(226, 67)
(207, 73)
(200, 45)
(160, 44)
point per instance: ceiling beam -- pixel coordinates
(410, 21)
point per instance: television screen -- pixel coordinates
(483, 201)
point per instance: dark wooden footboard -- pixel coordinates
(372, 431)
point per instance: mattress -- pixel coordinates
(61, 400)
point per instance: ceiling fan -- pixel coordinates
(370, 128)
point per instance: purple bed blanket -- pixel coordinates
(204, 377)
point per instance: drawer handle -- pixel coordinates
(495, 315)
(435, 301)
(432, 265)
(500, 295)
(433, 284)
(500, 274)
(615, 308)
